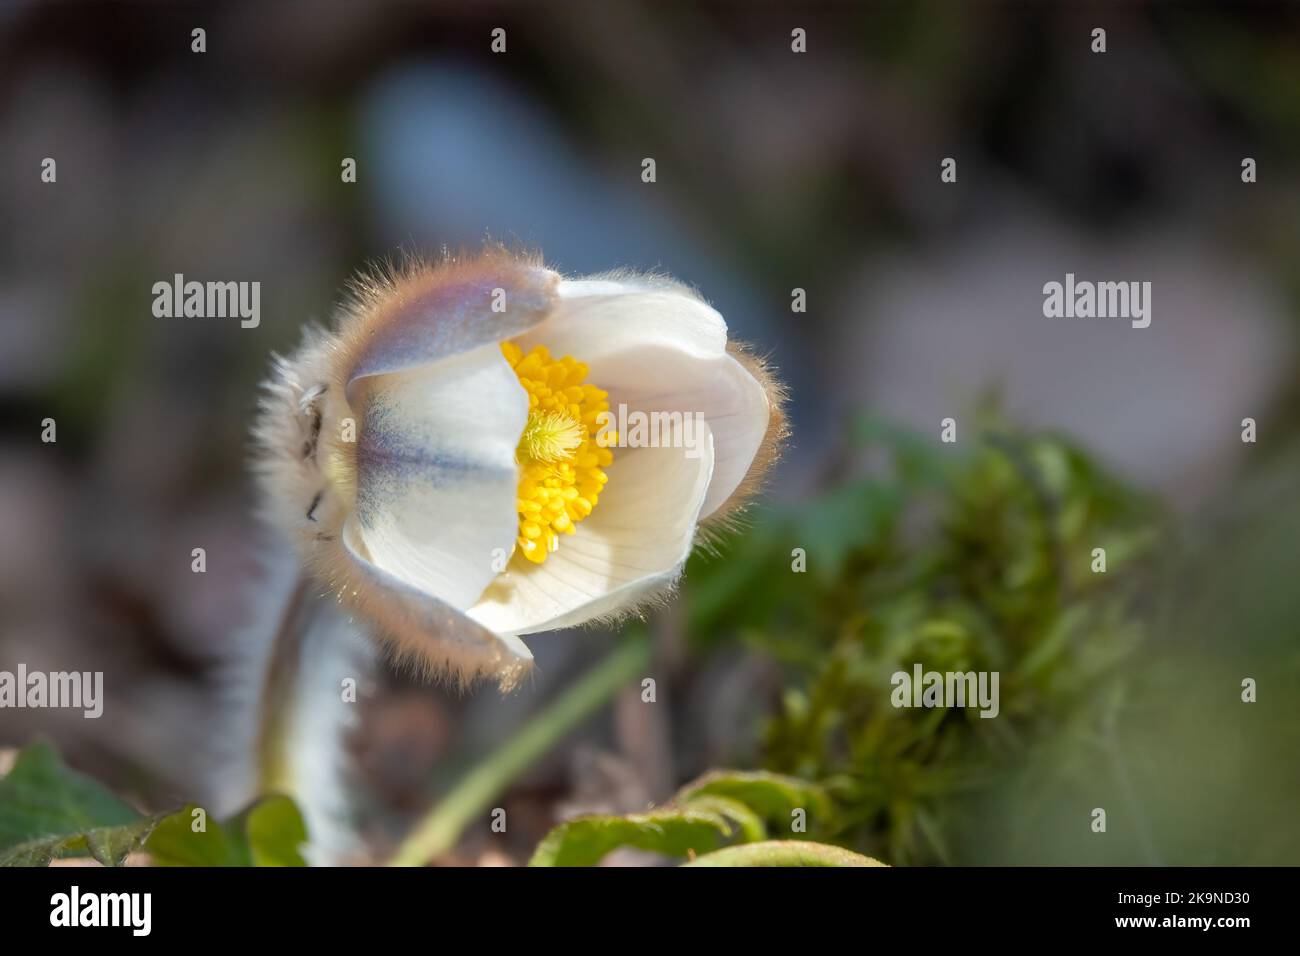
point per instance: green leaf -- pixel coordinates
(276, 832)
(673, 831)
(749, 825)
(269, 833)
(784, 853)
(772, 796)
(718, 809)
(177, 842)
(48, 810)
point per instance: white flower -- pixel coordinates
(441, 457)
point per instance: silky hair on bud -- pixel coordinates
(395, 316)
(730, 517)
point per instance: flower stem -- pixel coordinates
(274, 761)
(443, 825)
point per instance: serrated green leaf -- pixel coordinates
(772, 796)
(718, 809)
(749, 825)
(107, 845)
(672, 831)
(783, 853)
(48, 810)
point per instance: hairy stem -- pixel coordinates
(274, 762)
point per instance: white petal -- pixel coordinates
(436, 472)
(428, 632)
(632, 546)
(655, 347)
(592, 318)
(735, 408)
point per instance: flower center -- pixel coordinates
(560, 462)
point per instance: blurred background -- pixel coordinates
(776, 171)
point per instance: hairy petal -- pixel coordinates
(426, 313)
(420, 630)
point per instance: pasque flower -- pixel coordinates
(444, 457)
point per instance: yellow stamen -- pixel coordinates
(560, 461)
(550, 437)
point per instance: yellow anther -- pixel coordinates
(560, 461)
